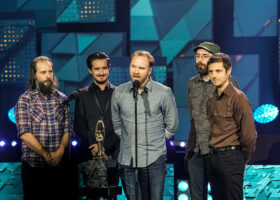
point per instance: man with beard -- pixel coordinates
(199, 89)
(94, 105)
(44, 126)
(157, 120)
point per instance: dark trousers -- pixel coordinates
(151, 180)
(226, 174)
(197, 166)
(47, 183)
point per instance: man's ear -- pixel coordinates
(150, 70)
(89, 70)
(229, 70)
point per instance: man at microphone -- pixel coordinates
(157, 120)
(44, 126)
(93, 105)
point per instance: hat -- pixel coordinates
(208, 46)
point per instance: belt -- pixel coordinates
(221, 149)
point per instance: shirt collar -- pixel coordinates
(53, 94)
(96, 87)
(228, 91)
(200, 79)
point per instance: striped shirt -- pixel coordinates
(45, 118)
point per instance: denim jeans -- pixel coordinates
(150, 182)
(227, 171)
(198, 169)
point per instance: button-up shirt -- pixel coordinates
(231, 121)
(46, 118)
(198, 92)
(157, 119)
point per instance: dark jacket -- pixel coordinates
(86, 116)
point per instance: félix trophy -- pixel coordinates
(95, 171)
(99, 136)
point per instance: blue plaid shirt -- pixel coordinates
(45, 118)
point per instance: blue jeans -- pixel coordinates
(150, 182)
(198, 167)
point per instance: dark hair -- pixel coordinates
(97, 56)
(144, 53)
(220, 57)
(32, 72)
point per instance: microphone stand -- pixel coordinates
(136, 155)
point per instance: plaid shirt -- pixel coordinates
(45, 118)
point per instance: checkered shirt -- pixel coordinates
(46, 118)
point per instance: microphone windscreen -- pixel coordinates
(136, 84)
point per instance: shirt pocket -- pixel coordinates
(59, 112)
(37, 113)
(195, 100)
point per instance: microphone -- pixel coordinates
(72, 96)
(135, 85)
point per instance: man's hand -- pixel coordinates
(94, 149)
(56, 156)
(47, 156)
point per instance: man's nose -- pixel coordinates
(136, 70)
(49, 75)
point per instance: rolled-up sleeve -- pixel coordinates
(171, 121)
(23, 118)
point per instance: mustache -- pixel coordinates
(48, 80)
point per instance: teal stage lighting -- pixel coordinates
(11, 115)
(265, 113)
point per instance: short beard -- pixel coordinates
(45, 90)
(100, 82)
(202, 72)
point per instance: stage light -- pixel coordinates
(209, 197)
(11, 115)
(182, 144)
(183, 197)
(183, 186)
(14, 143)
(74, 143)
(265, 113)
(209, 187)
(2, 143)
(183, 191)
(171, 143)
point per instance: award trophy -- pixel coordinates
(100, 135)
(95, 171)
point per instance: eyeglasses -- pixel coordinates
(202, 56)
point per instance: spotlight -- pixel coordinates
(182, 144)
(209, 187)
(183, 197)
(209, 197)
(11, 115)
(14, 143)
(183, 186)
(171, 143)
(2, 143)
(74, 143)
(265, 113)
(183, 191)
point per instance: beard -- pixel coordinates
(46, 90)
(101, 82)
(201, 69)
